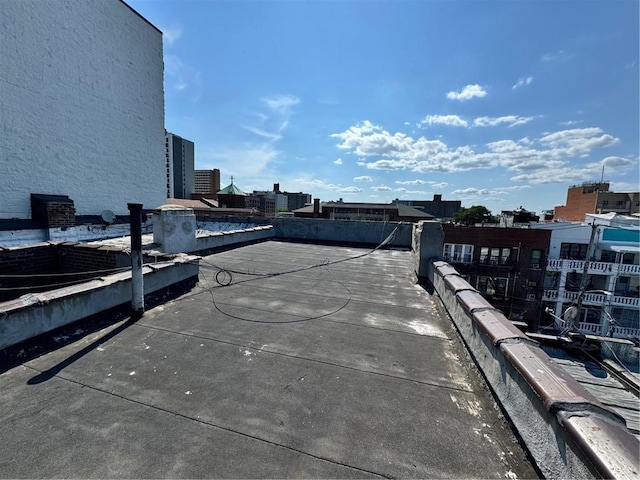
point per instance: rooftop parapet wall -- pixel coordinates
(343, 231)
(567, 431)
(37, 313)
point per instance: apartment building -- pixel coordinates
(506, 265)
(442, 209)
(379, 212)
(609, 247)
(180, 159)
(206, 183)
(595, 197)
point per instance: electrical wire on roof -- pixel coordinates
(224, 278)
(69, 274)
(298, 320)
(226, 274)
(45, 287)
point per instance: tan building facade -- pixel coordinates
(206, 182)
(596, 198)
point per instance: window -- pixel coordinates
(536, 258)
(494, 255)
(454, 252)
(574, 251)
(607, 256)
(495, 286)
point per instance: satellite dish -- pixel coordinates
(108, 216)
(570, 313)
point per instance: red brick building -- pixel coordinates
(596, 198)
(506, 265)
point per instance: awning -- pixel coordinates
(622, 248)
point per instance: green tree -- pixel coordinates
(474, 214)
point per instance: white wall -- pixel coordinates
(82, 106)
(562, 232)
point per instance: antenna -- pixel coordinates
(602, 176)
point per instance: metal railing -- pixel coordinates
(591, 298)
(556, 265)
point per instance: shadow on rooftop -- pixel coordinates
(47, 342)
(53, 371)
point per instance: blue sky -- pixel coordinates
(502, 104)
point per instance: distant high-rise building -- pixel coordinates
(207, 182)
(297, 200)
(180, 159)
(443, 209)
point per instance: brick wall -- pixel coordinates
(53, 260)
(75, 258)
(17, 264)
(60, 214)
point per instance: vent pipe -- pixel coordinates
(137, 286)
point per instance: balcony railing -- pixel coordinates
(592, 299)
(595, 268)
(617, 332)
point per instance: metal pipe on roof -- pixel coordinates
(137, 285)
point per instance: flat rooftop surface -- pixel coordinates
(342, 368)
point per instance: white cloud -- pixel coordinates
(280, 102)
(183, 77)
(618, 162)
(321, 185)
(364, 178)
(553, 152)
(579, 141)
(338, 161)
(274, 137)
(471, 191)
(522, 82)
(250, 162)
(440, 185)
(511, 120)
(349, 190)
(571, 122)
(412, 192)
(382, 188)
(631, 64)
(450, 120)
(411, 182)
(623, 187)
(559, 56)
(170, 35)
(467, 93)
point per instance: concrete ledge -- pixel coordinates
(498, 328)
(567, 431)
(615, 459)
(211, 241)
(456, 283)
(37, 313)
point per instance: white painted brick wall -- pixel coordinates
(81, 106)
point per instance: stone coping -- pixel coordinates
(582, 437)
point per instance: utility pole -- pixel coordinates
(585, 269)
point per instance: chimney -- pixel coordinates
(437, 198)
(276, 187)
(316, 207)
